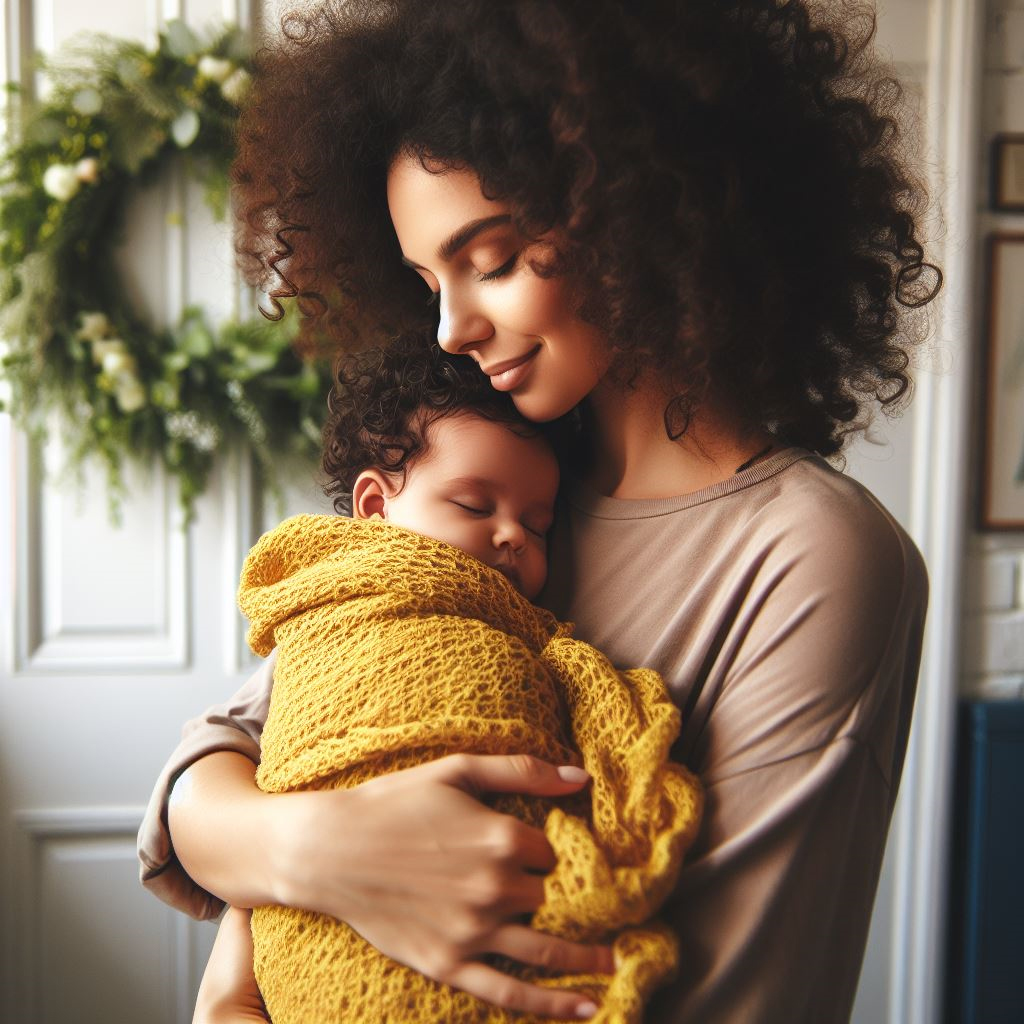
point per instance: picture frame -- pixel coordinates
(1007, 173)
(1002, 487)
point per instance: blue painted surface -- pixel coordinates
(986, 949)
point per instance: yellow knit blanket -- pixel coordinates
(395, 649)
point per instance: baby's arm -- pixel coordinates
(228, 993)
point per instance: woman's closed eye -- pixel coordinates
(506, 268)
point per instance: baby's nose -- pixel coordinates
(510, 533)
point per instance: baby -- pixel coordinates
(404, 633)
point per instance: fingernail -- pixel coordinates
(586, 1009)
(570, 773)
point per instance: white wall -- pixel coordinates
(993, 652)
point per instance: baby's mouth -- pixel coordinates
(512, 575)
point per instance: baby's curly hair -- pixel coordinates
(729, 181)
(383, 401)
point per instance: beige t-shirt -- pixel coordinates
(784, 608)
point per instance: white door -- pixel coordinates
(112, 636)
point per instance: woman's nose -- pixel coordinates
(460, 325)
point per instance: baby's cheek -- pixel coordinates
(467, 541)
(537, 575)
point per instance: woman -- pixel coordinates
(691, 222)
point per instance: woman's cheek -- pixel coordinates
(532, 308)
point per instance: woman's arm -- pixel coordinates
(412, 861)
(220, 822)
(228, 993)
(799, 735)
(235, 725)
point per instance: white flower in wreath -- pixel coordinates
(117, 363)
(95, 327)
(87, 170)
(216, 69)
(61, 182)
(87, 102)
(129, 393)
(206, 438)
(103, 347)
(185, 128)
(187, 426)
(236, 87)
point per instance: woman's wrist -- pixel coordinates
(296, 874)
(284, 825)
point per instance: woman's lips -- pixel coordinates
(507, 376)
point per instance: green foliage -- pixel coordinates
(118, 115)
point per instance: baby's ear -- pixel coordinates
(369, 494)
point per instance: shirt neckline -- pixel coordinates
(585, 499)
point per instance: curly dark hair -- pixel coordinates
(730, 178)
(383, 401)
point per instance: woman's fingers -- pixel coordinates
(512, 994)
(432, 877)
(518, 895)
(510, 773)
(520, 845)
(514, 773)
(553, 954)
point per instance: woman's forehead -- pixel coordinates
(428, 207)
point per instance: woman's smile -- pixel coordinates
(509, 375)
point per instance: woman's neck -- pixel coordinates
(633, 457)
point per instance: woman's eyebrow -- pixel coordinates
(462, 237)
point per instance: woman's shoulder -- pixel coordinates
(791, 510)
(834, 521)
(818, 544)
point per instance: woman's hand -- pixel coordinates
(431, 877)
(228, 993)
(412, 861)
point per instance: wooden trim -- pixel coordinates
(986, 519)
(1000, 142)
(939, 518)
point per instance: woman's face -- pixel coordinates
(519, 327)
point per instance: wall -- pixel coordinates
(993, 650)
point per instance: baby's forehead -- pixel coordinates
(468, 448)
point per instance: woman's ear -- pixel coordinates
(369, 495)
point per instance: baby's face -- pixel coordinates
(483, 488)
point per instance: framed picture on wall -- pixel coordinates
(1007, 185)
(1002, 490)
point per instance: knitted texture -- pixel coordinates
(395, 649)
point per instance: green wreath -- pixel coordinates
(118, 115)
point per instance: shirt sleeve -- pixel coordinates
(798, 733)
(234, 725)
